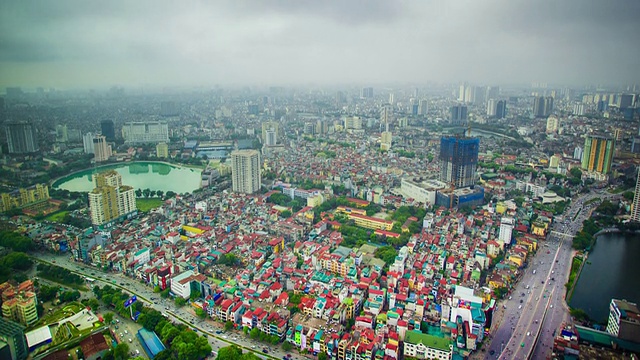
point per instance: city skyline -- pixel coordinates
(71, 44)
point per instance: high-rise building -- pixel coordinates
(108, 130)
(577, 153)
(501, 109)
(553, 123)
(598, 154)
(542, 106)
(392, 98)
(101, 149)
(168, 108)
(270, 125)
(21, 137)
(353, 122)
(462, 93)
(145, 132)
(423, 107)
(385, 140)
(491, 107)
(635, 211)
(386, 114)
(110, 200)
(497, 108)
(162, 150)
(366, 93)
(24, 197)
(492, 92)
(103, 205)
(624, 320)
(246, 174)
(13, 344)
(458, 160)
(87, 143)
(271, 138)
(506, 229)
(578, 109)
(61, 133)
(625, 101)
(459, 115)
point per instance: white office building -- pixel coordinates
(422, 191)
(181, 284)
(506, 229)
(246, 174)
(87, 143)
(145, 132)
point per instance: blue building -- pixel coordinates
(458, 160)
(468, 196)
(150, 342)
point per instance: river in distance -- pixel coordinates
(139, 175)
(611, 271)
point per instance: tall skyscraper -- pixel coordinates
(145, 132)
(108, 130)
(366, 93)
(110, 200)
(270, 125)
(87, 143)
(501, 109)
(21, 137)
(423, 107)
(458, 160)
(459, 114)
(270, 136)
(246, 174)
(385, 140)
(542, 106)
(598, 154)
(553, 123)
(12, 334)
(625, 101)
(101, 149)
(578, 109)
(635, 211)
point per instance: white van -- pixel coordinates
(528, 333)
(137, 352)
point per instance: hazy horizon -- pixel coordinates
(75, 44)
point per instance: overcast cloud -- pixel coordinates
(102, 43)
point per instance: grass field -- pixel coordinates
(57, 217)
(145, 205)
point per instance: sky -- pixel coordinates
(75, 44)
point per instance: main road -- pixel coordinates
(525, 323)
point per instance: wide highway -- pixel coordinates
(525, 323)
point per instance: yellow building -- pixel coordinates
(22, 308)
(370, 222)
(501, 208)
(103, 205)
(539, 228)
(277, 244)
(162, 150)
(516, 259)
(23, 197)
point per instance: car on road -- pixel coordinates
(491, 352)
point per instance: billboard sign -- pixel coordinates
(130, 301)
